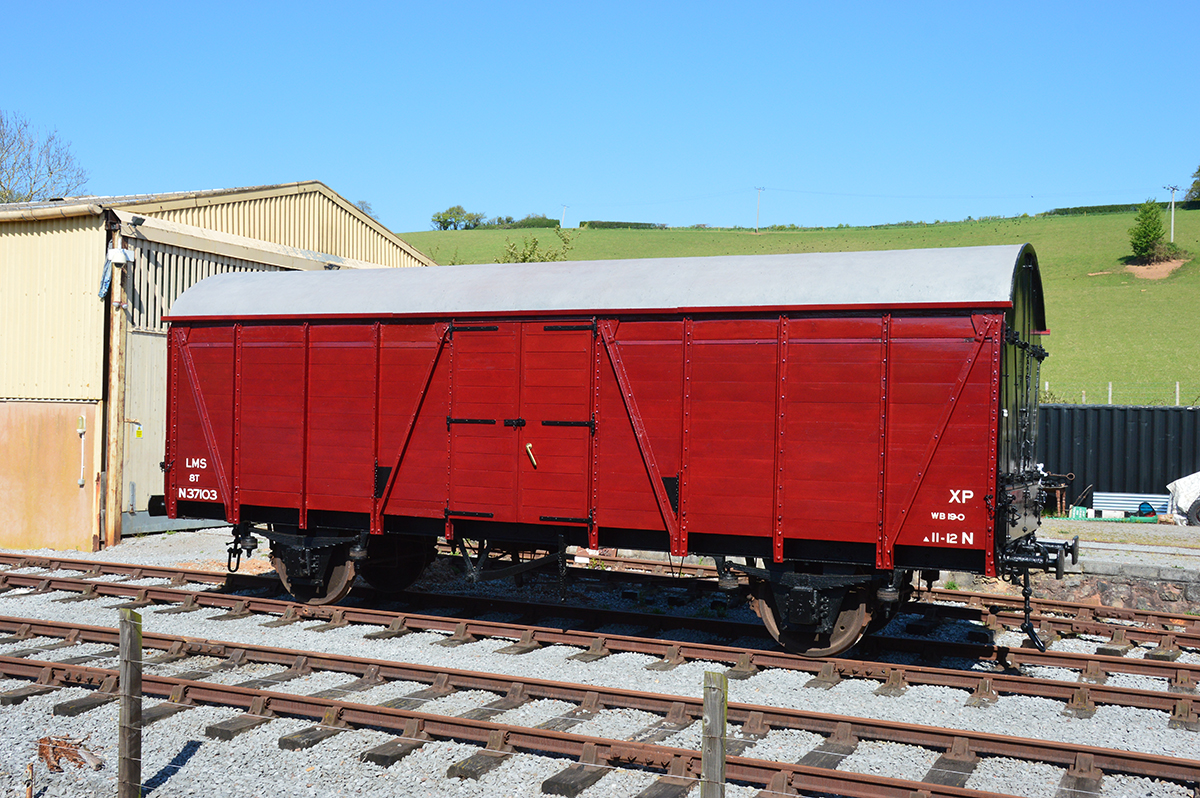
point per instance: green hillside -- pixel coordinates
(1106, 324)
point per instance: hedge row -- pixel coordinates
(1081, 211)
(533, 221)
(622, 226)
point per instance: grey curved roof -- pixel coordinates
(962, 277)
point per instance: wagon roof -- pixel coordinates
(965, 277)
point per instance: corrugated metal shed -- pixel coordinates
(58, 423)
(306, 215)
(311, 220)
(1117, 449)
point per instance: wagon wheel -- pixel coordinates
(330, 587)
(852, 621)
(395, 561)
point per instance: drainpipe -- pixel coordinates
(115, 443)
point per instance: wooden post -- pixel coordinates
(712, 750)
(115, 439)
(129, 768)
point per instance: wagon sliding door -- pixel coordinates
(554, 445)
(521, 422)
(484, 401)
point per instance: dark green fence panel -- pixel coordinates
(1119, 449)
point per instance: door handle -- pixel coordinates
(529, 451)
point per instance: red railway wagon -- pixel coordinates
(825, 425)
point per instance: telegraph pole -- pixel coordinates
(1172, 189)
(563, 221)
(759, 208)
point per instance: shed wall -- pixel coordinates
(51, 315)
(1118, 449)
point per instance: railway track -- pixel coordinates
(995, 611)
(1122, 627)
(411, 716)
(1177, 681)
(116, 583)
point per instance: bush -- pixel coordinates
(529, 252)
(1168, 250)
(535, 220)
(1145, 237)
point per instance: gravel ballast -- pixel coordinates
(179, 760)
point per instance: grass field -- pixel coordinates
(1106, 324)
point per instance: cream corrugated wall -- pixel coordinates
(161, 273)
(51, 315)
(309, 221)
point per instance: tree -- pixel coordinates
(1194, 191)
(33, 165)
(1147, 232)
(366, 208)
(452, 218)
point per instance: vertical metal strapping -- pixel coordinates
(681, 548)
(885, 352)
(993, 464)
(236, 510)
(780, 429)
(594, 477)
(173, 345)
(377, 404)
(449, 345)
(307, 389)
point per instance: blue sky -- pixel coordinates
(855, 113)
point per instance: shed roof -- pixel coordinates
(959, 277)
(200, 208)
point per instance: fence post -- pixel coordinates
(712, 751)
(1110, 393)
(129, 731)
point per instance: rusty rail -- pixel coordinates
(186, 691)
